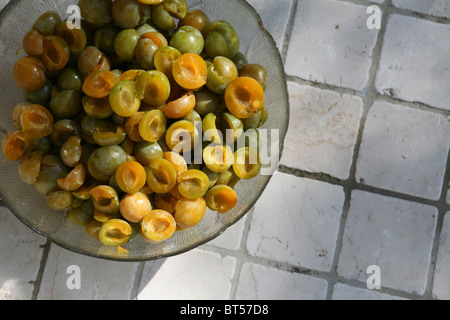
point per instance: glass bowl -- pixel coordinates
(30, 207)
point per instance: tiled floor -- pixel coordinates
(361, 197)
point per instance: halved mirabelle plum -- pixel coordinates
(244, 97)
(74, 180)
(105, 199)
(59, 200)
(123, 98)
(97, 108)
(64, 129)
(246, 163)
(15, 145)
(218, 158)
(29, 167)
(220, 73)
(167, 201)
(161, 175)
(131, 176)
(131, 75)
(190, 71)
(157, 226)
(84, 192)
(222, 128)
(152, 125)
(83, 214)
(132, 126)
(193, 184)
(180, 107)
(92, 59)
(210, 130)
(158, 38)
(212, 176)
(177, 160)
(221, 198)
(105, 216)
(33, 43)
(153, 87)
(182, 136)
(228, 178)
(17, 112)
(163, 59)
(56, 53)
(36, 121)
(71, 151)
(98, 84)
(29, 74)
(135, 206)
(75, 37)
(115, 232)
(189, 213)
(108, 133)
(52, 169)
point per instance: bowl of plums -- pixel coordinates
(134, 130)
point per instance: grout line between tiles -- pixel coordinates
(363, 187)
(442, 207)
(367, 103)
(245, 257)
(42, 265)
(137, 281)
(361, 94)
(404, 12)
(289, 28)
(241, 255)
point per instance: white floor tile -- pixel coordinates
(440, 8)
(330, 43)
(404, 150)
(441, 280)
(296, 221)
(20, 257)
(393, 234)
(98, 279)
(346, 292)
(323, 130)
(414, 61)
(195, 275)
(263, 283)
